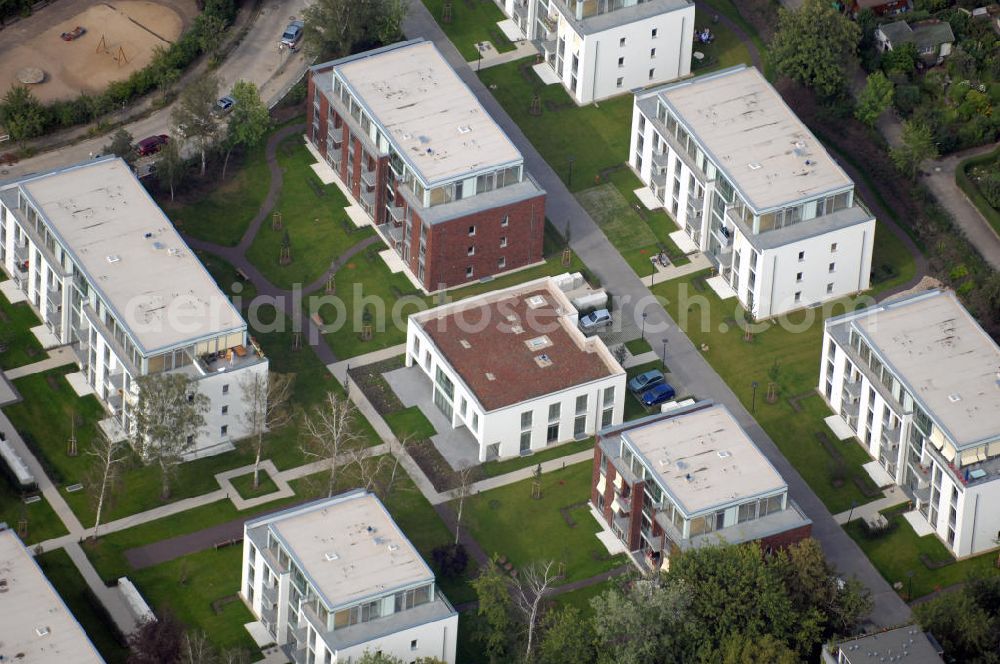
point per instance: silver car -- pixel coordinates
(292, 35)
(595, 320)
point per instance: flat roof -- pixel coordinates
(703, 458)
(935, 346)
(908, 645)
(36, 621)
(349, 547)
(517, 344)
(749, 132)
(617, 18)
(131, 254)
(435, 122)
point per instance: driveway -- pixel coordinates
(683, 358)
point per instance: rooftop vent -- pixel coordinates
(159, 245)
(3, 586)
(754, 165)
(114, 258)
(543, 360)
(490, 376)
(465, 343)
(42, 631)
(147, 235)
(330, 556)
(681, 465)
(464, 129)
(174, 251)
(536, 301)
(393, 547)
(688, 477)
(955, 398)
(724, 454)
(516, 329)
(538, 343)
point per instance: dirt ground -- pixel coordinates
(130, 27)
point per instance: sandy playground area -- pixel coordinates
(131, 30)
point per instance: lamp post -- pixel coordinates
(909, 589)
(664, 352)
(569, 177)
(753, 399)
(854, 504)
(644, 314)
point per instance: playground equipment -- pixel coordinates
(75, 33)
(118, 56)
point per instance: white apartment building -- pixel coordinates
(109, 276)
(602, 48)
(334, 578)
(754, 190)
(513, 368)
(918, 381)
(37, 626)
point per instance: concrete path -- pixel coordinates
(686, 362)
(526, 473)
(524, 49)
(58, 357)
(110, 598)
(893, 496)
(698, 263)
(339, 369)
(940, 179)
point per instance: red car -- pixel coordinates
(151, 145)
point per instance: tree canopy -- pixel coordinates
(814, 45)
(335, 28)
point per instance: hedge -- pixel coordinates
(966, 184)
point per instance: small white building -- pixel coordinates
(602, 48)
(753, 189)
(36, 625)
(918, 382)
(109, 276)
(513, 368)
(336, 577)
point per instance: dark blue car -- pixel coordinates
(657, 394)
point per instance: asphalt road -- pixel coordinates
(686, 363)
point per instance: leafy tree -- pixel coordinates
(566, 637)
(121, 146)
(451, 560)
(169, 412)
(874, 99)
(249, 120)
(902, 58)
(334, 28)
(194, 115)
(496, 610)
(208, 28)
(643, 621)
(742, 649)
(156, 641)
(370, 657)
(330, 431)
(21, 114)
(814, 45)
(917, 147)
(966, 622)
(171, 166)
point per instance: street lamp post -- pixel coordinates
(854, 504)
(569, 177)
(753, 399)
(909, 589)
(664, 352)
(644, 314)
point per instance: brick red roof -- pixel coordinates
(484, 338)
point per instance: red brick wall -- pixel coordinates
(447, 247)
(782, 540)
(635, 516)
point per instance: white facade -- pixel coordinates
(916, 381)
(761, 198)
(602, 48)
(110, 277)
(335, 578)
(574, 410)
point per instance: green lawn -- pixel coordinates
(69, 583)
(581, 598)
(708, 320)
(43, 523)
(638, 347)
(892, 262)
(472, 21)
(497, 468)
(244, 485)
(410, 423)
(897, 553)
(508, 522)
(726, 50)
(312, 215)
(18, 346)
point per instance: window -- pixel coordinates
(475, 422)
(471, 251)
(505, 222)
(798, 278)
(621, 61)
(413, 644)
(581, 404)
(190, 440)
(225, 410)
(652, 72)
(468, 272)
(619, 82)
(554, 412)
(652, 53)
(472, 230)
(501, 263)
(552, 434)
(225, 389)
(525, 420)
(621, 43)
(833, 248)
(798, 296)
(653, 33)
(829, 288)
(503, 241)
(224, 430)
(833, 266)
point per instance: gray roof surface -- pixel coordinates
(515, 193)
(804, 229)
(619, 17)
(906, 645)
(925, 34)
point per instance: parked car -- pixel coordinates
(292, 35)
(151, 144)
(646, 380)
(224, 105)
(657, 394)
(595, 320)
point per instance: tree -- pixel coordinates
(249, 121)
(156, 641)
(197, 649)
(21, 114)
(641, 621)
(814, 45)
(168, 415)
(171, 166)
(460, 494)
(874, 99)
(194, 115)
(331, 431)
(209, 28)
(370, 657)
(495, 609)
(333, 28)
(451, 560)
(121, 146)
(966, 622)
(109, 455)
(742, 649)
(566, 637)
(916, 148)
(265, 399)
(528, 592)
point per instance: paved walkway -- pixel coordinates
(524, 49)
(58, 357)
(893, 496)
(685, 360)
(698, 263)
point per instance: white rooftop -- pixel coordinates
(132, 254)
(432, 117)
(751, 134)
(704, 459)
(35, 621)
(950, 364)
(350, 548)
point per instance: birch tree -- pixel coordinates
(330, 431)
(265, 399)
(460, 493)
(194, 115)
(108, 455)
(528, 592)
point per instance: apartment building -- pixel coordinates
(754, 190)
(513, 368)
(907, 644)
(602, 48)
(918, 382)
(335, 578)
(445, 187)
(686, 478)
(37, 626)
(109, 276)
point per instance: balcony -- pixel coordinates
(550, 23)
(660, 159)
(335, 136)
(398, 213)
(393, 232)
(269, 614)
(269, 593)
(521, 9)
(850, 409)
(21, 257)
(335, 155)
(724, 236)
(368, 177)
(659, 179)
(624, 503)
(368, 199)
(853, 389)
(891, 436)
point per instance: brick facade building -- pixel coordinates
(444, 186)
(665, 483)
